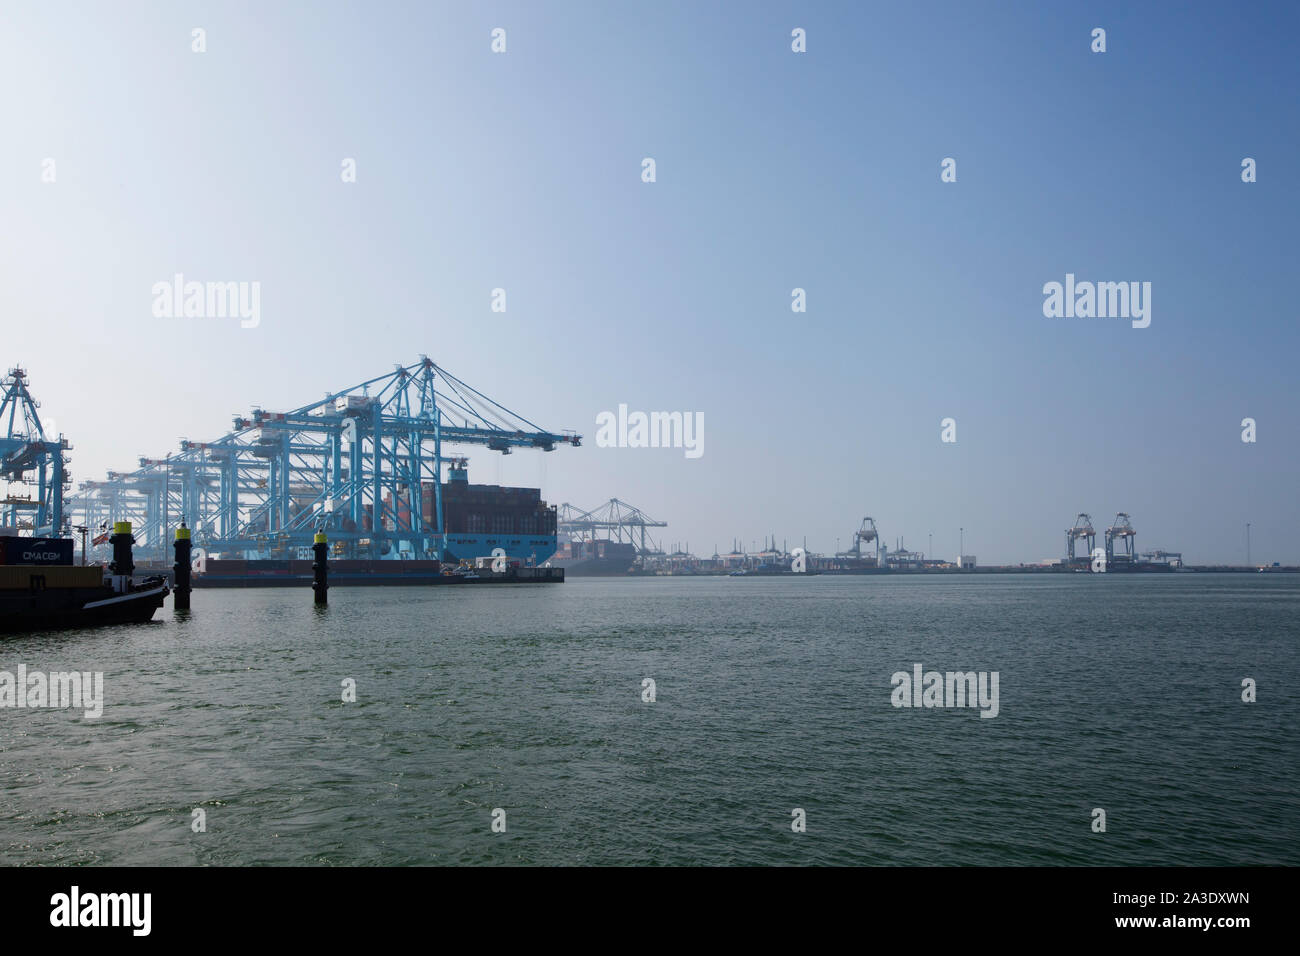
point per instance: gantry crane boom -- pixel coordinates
(357, 457)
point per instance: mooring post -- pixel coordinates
(320, 569)
(122, 564)
(181, 569)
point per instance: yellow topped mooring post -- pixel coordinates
(320, 568)
(181, 569)
(122, 564)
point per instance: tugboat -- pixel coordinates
(41, 589)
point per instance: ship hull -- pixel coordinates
(60, 609)
(529, 549)
(594, 567)
(355, 573)
(598, 558)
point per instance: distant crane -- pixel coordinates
(621, 521)
(1161, 556)
(868, 534)
(1082, 529)
(1123, 530)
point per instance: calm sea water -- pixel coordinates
(1118, 692)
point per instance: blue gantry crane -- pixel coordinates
(354, 463)
(27, 453)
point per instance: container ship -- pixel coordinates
(598, 558)
(478, 519)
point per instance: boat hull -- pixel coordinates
(373, 577)
(60, 609)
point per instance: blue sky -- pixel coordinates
(775, 170)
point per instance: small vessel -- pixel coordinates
(739, 572)
(41, 589)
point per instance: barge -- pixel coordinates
(41, 589)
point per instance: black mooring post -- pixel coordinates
(181, 569)
(320, 569)
(123, 564)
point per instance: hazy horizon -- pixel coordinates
(775, 170)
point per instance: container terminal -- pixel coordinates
(612, 541)
(368, 466)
